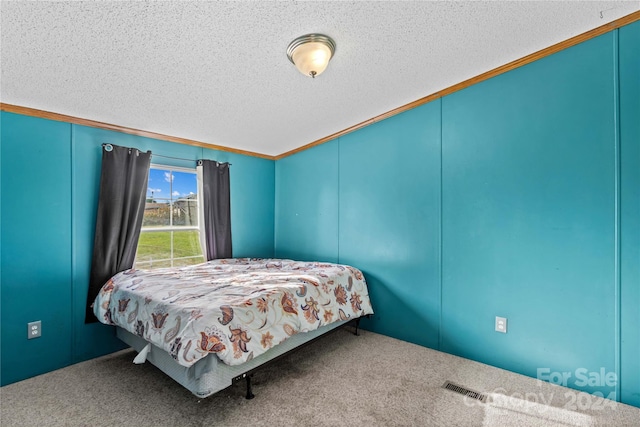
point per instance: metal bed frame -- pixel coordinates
(210, 375)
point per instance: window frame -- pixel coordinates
(173, 228)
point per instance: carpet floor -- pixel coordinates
(339, 380)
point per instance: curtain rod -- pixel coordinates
(107, 147)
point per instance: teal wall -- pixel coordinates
(36, 245)
(348, 201)
(389, 220)
(529, 215)
(312, 176)
(50, 182)
(629, 45)
(516, 197)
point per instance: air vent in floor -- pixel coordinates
(465, 391)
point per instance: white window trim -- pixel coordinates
(203, 238)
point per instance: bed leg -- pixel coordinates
(250, 394)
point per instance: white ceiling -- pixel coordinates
(217, 72)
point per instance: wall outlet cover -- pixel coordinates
(501, 324)
(34, 329)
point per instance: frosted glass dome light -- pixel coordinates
(311, 53)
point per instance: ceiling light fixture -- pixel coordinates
(311, 53)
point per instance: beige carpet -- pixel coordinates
(340, 380)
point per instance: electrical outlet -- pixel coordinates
(501, 324)
(34, 329)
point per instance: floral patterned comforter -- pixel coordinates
(235, 308)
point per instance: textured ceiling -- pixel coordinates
(217, 72)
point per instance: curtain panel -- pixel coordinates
(216, 201)
(123, 186)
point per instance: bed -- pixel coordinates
(211, 324)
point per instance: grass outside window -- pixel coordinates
(158, 249)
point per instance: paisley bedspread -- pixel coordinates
(235, 308)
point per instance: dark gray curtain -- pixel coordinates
(216, 200)
(123, 186)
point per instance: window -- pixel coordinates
(170, 234)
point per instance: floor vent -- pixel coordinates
(465, 391)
